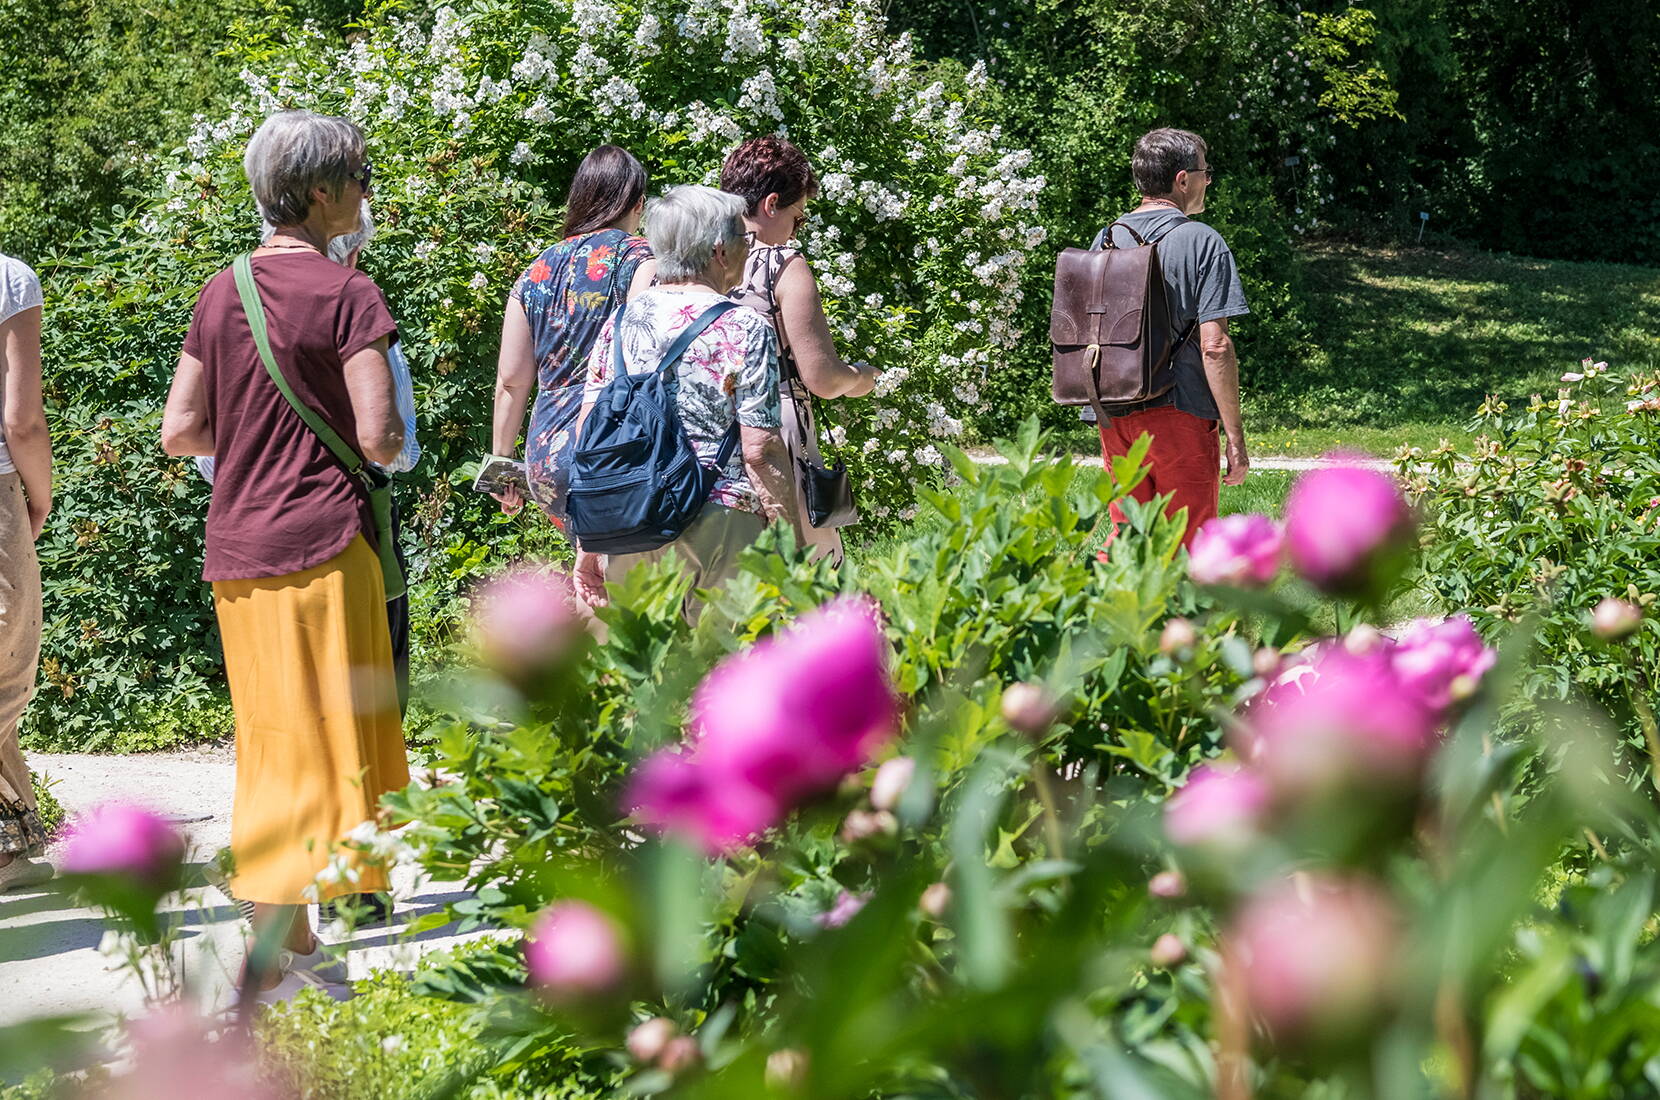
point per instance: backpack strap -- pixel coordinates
(344, 453)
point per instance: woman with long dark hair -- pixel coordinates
(555, 313)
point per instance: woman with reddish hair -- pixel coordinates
(555, 312)
(775, 181)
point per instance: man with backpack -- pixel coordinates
(1201, 291)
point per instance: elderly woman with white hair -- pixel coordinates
(284, 380)
(729, 374)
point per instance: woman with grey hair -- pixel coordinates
(729, 374)
(292, 536)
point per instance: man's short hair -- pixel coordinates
(1160, 154)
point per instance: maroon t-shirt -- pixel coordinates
(281, 502)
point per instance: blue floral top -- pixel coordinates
(567, 294)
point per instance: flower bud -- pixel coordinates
(121, 839)
(861, 825)
(1168, 951)
(647, 1040)
(526, 619)
(574, 949)
(679, 1053)
(1028, 708)
(787, 1069)
(1167, 885)
(935, 900)
(891, 780)
(1267, 662)
(1614, 619)
(1178, 635)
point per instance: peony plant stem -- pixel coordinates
(1051, 817)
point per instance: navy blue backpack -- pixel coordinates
(636, 482)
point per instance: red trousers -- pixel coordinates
(1184, 462)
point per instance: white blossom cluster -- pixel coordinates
(924, 223)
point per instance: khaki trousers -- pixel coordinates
(709, 549)
(20, 828)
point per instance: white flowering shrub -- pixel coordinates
(476, 120)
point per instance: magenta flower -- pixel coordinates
(1340, 521)
(1441, 662)
(671, 792)
(1342, 717)
(1217, 807)
(121, 839)
(526, 618)
(1240, 550)
(847, 907)
(574, 949)
(1313, 954)
(770, 726)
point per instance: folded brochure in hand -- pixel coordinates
(499, 473)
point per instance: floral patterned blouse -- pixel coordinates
(567, 294)
(730, 373)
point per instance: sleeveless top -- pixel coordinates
(567, 294)
(757, 291)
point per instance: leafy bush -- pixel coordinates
(1551, 511)
(475, 123)
(51, 810)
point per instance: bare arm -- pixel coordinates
(25, 419)
(767, 463)
(807, 334)
(643, 275)
(184, 421)
(515, 380)
(374, 403)
(1222, 372)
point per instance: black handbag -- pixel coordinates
(829, 494)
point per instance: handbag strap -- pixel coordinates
(787, 370)
(255, 309)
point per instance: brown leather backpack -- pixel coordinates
(1110, 326)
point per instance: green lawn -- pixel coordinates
(1411, 341)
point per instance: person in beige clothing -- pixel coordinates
(25, 501)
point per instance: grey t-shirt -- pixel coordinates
(1202, 282)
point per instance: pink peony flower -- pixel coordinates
(1313, 954)
(891, 780)
(1343, 718)
(1217, 807)
(174, 1053)
(526, 618)
(680, 1053)
(121, 839)
(1240, 550)
(1441, 662)
(1339, 521)
(783, 720)
(847, 907)
(801, 709)
(1614, 619)
(670, 791)
(574, 949)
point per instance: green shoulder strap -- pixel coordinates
(380, 496)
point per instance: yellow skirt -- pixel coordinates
(318, 738)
